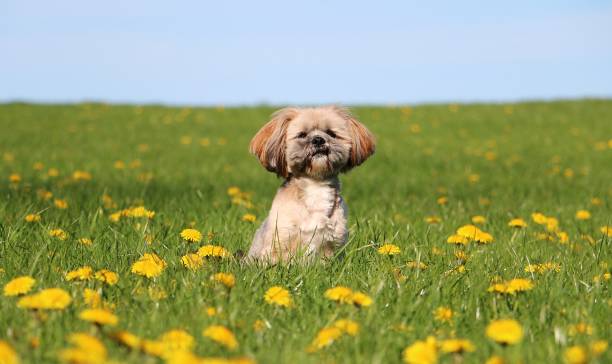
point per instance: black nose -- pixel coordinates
(318, 141)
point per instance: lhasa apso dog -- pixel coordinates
(309, 148)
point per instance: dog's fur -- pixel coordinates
(308, 147)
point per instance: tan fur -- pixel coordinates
(308, 147)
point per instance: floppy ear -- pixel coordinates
(269, 144)
(363, 143)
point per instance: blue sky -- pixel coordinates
(282, 52)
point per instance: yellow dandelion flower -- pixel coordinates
(575, 355)
(517, 223)
(389, 249)
(32, 218)
(85, 241)
(580, 328)
(7, 354)
(60, 203)
(519, 285)
(417, 265)
(44, 194)
(149, 265)
(227, 279)
(58, 233)
(233, 191)
(47, 299)
(495, 360)
(259, 325)
(191, 235)
(361, 299)
(80, 274)
(457, 239)
(325, 337)
(222, 335)
(81, 176)
(606, 230)
(99, 316)
(52, 172)
(349, 327)
(92, 298)
(87, 350)
(278, 296)
(483, 238)
(599, 347)
(505, 331)
(443, 200)
(153, 347)
(479, 219)
(340, 294)
(192, 261)
(177, 340)
(443, 314)
(457, 346)
(109, 277)
(127, 339)
(583, 215)
(433, 220)
(213, 251)
(539, 218)
(421, 352)
(468, 231)
(15, 178)
(249, 218)
(543, 267)
(211, 311)
(461, 255)
(18, 286)
(552, 224)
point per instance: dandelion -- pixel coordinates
(340, 294)
(47, 299)
(259, 326)
(583, 215)
(7, 354)
(60, 204)
(99, 316)
(421, 352)
(575, 355)
(92, 298)
(278, 296)
(361, 299)
(389, 249)
(81, 274)
(32, 218)
(433, 220)
(457, 346)
(517, 223)
(543, 267)
(443, 314)
(222, 335)
(81, 176)
(472, 232)
(191, 235)
(213, 251)
(227, 279)
(177, 340)
(18, 286)
(505, 331)
(512, 286)
(598, 347)
(14, 178)
(249, 218)
(417, 265)
(539, 218)
(52, 172)
(85, 241)
(86, 349)
(58, 233)
(443, 200)
(127, 339)
(478, 219)
(606, 230)
(149, 265)
(106, 276)
(192, 261)
(347, 326)
(580, 328)
(325, 337)
(457, 239)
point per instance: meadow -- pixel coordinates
(478, 233)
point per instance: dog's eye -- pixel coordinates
(302, 135)
(331, 133)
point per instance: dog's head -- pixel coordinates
(314, 142)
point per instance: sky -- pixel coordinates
(310, 52)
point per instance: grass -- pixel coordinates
(498, 161)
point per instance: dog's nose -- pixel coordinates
(318, 141)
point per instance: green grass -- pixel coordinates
(547, 157)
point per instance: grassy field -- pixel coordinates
(436, 167)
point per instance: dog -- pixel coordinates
(308, 148)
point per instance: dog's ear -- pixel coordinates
(363, 143)
(270, 143)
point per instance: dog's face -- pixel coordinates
(313, 142)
